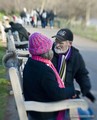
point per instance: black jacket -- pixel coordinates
(39, 84)
(23, 34)
(76, 69)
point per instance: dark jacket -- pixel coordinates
(76, 69)
(51, 15)
(39, 84)
(23, 34)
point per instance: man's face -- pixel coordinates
(61, 46)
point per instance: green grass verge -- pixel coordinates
(87, 32)
(3, 99)
(81, 30)
(3, 85)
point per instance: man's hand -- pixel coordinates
(90, 96)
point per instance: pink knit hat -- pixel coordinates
(39, 44)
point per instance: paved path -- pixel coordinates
(11, 111)
(89, 51)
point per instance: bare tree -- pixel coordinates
(64, 8)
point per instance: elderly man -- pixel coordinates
(70, 64)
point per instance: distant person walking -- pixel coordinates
(44, 19)
(51, 18)
(23, 15)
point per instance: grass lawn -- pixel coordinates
(3, 85)
(81, 30)
(87, 32)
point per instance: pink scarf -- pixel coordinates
(60, 82)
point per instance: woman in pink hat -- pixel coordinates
(41, 82)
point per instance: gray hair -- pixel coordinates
(48, 55)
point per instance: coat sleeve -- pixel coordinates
(52, 90)
(81, 76)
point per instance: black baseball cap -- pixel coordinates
(64, 34)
